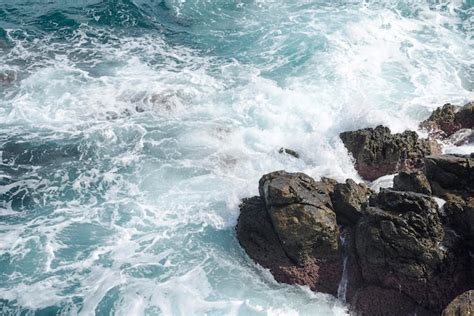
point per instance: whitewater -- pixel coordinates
(131, 129)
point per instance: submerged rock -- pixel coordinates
(289, 152)
(462, 305)
(448, 119)
(378, 152)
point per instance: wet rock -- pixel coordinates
(462, 305)
(448, 119)
(378, 152)
(289, 152)
(349, 201)
(451, 174)
(412, 181)
(291, 230)
(301, 213)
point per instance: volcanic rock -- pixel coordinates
(378, 152)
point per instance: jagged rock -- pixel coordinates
(451, 174)
(289, 152)
(301, 213)
(256, 235)
(349, 201)
(378, 152)
(448, 119)
(462, 305)
(399, 252)
(401, 245)
(292, 230)
(412, 181)
(400, 235)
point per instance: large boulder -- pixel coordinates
(451, 175)
(291, 229)
(349, 200)
(462, 305)
(448, 119)
(400, 236)
(378, 152)
(402, 245)
(412, 181)
(301, 213)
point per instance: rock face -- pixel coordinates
(448, 119)
(463, 305)
(378, 152)
(451, 175)
(301, 213)
(349, 201)
(388, 253)
(412, 181)
(292, 230)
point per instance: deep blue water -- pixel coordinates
(130, 130)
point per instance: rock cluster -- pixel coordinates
(378, 152)
(393, 252)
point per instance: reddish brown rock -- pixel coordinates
(256, 235)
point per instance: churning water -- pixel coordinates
(130, 130)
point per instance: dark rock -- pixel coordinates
(460, 215)
(257, 236)
(465, 116)
(301, 213)
(349, 201)
(450, 174)
(289, 152)
(378, 152)
(413, 181)
(401, 244)
(462, 305)
(376, 300)
(448, 119)
(400, 236)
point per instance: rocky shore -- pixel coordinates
(404, 250)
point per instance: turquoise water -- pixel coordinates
(130, 130)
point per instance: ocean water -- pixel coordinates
(131, 129)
